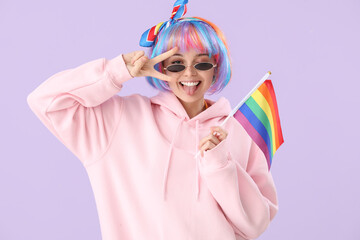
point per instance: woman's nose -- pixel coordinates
(190, 70)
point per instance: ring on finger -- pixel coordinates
(216, 133)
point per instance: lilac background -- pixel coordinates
(311, 47)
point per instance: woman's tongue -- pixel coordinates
(189, 89)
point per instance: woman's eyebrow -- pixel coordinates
(198, 55)
(203, 54)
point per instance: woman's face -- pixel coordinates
(190, 74)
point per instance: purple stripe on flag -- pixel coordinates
(253, 134)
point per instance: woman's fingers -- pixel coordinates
(148, 69)
(207, 146)
(164, 55)
(138, 64)
(129, 57)
(207, 140)
(217, 135)
(138, 54)
(219, 132)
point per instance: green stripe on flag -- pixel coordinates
(261, 115)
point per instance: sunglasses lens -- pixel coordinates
(175, 68)
(200, 66)
(203, 66)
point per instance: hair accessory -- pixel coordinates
(148, 37)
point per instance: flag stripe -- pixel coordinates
(261, 116)
(277, 116)
(257, 124)
(265, 92)
(253, 133)
(261, 101)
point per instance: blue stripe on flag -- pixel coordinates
(257, 124)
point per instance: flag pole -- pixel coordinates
(242, 101)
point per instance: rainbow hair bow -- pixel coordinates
(148, 37)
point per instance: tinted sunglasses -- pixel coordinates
(203, 66)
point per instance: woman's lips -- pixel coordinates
(190, 90)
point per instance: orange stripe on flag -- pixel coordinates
(265, 92)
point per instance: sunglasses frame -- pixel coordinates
(213, 65)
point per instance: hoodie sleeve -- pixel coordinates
(80, 106)
(248, 196)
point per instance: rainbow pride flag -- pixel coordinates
(259, 116)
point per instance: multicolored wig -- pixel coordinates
(193, 33)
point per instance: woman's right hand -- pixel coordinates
(140, 65)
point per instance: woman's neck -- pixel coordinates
(194, 108)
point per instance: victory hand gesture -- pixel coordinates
(140, 65)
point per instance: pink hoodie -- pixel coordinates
(139, 154)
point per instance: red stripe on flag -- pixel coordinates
(272, 93)
(265, 92)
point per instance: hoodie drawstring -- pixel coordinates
(197, 161)
(166, 171)
(169, 157)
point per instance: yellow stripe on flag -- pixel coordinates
(261, 101)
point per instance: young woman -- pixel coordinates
(139, 152)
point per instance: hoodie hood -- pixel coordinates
(219, 109)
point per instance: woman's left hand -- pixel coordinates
(214, 138)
